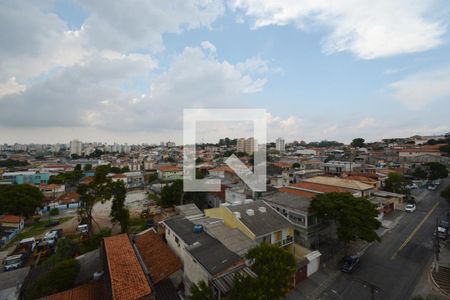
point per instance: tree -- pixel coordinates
(77, 167)
(66, 248)
(60, 277)
(296, 165)
(420, 173)
(171, 194)
(446, 193)
(70, 178)
(119, 212)
(354, 216)
(99, 190)
(358, 143)
(201, 291)
(245, 288)
(87, 167)
(21, 199)
(445, 149)
(395, 183)
(275, 268)
(436, 170)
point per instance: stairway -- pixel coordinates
(442, 279)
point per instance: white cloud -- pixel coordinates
(369, 29)
(34, 41)
(207, 45)
(10, 87)
(418, 90)
(119, 26)
(92, 94)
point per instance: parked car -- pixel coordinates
(13, 262)
(437, 182)
(412, 186)
(83, 228)
(432, 187)
(410, 207)
(350, 264)
(29, 241)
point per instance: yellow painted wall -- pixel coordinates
(229, 219)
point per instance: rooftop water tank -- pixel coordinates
(198, 228)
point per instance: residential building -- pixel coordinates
(162, 264)
(246, 145)
(52, 190)
(203, 256)
(134, 179)
(12, 222)
(169, 172)
(257, 220)
(338, 167)
(356, 187)
(76, 147)
(280, 145)
(27, 177)
(296, 208)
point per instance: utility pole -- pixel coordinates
(436, 247)
(373, 288)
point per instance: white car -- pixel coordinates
(432, 187)
(412, 186)
(410, 207)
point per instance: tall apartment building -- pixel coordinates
(76, 147)
(246, 145)
(280, 144)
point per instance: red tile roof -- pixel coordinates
(161, 262)
(94, 290)
(169, 169)
(297, 192)
(128, 280)
(11, 219)
(321, 188)
(69, 197)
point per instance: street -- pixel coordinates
(395, 265)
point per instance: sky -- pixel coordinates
(123, 71)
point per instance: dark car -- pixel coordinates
(350, 264)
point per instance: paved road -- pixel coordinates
(396, 264)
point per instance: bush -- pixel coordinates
(61, 277)
(54, 211)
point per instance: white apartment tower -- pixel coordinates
(240, 146)
(280, 144)
(76, 147)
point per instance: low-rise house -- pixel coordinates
(169, 172)
(190, 211)
(69, 199)
(339, 167)
(294, 207)
(163, 266)
(358, 188)
(124, 278)
(203, 256)
(12, 222)
(52, 190)
(393, 201)
(134, 180)
(258, 221)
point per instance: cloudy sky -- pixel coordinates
(125, 70)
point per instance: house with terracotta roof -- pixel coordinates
(356, 187)
(169, 172)
(124, 275)
(159, 260)
(12, 222)
(69, 198)
(94, 290)
(52, 190)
